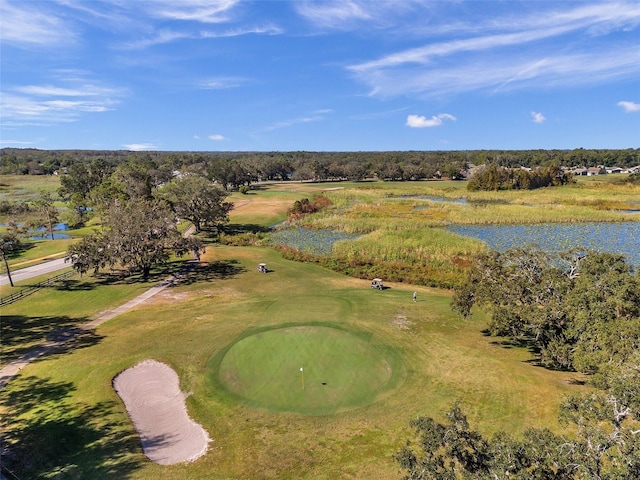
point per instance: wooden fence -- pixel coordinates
(26, 291)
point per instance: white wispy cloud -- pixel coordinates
(239, 31)
(139, 147)
(216, 137)
(164, 36)
(508, 53)
(315, 116)
(334, 13)
(538, 117)
(353, 14)
(294, 121)
(418, 121)
(4, 142)
(52, 90)
(629, 106)
(203, 11)
(159, 37)
(223, 83)
(26, 25)
(50, 104)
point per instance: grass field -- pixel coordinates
(439, 357)
(238, 338)
(343, 369)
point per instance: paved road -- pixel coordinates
(35, 271)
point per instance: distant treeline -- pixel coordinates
(237, 168)
(492, 177)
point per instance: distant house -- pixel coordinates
(591, 171)
(613, 170)
(580, 171)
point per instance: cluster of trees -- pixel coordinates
(137, 235)
(38, 218)
(495, 177)
(233, 169)
(580, 311)
(140, 206)
(605, 446)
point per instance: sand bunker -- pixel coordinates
(151, 393)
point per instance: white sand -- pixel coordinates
(151, 393)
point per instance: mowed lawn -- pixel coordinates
(343, 369)
(69, 422)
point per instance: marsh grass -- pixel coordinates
(400, 225)
(25, 188)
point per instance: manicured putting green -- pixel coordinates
(340, 369)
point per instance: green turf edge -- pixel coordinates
(215, 387)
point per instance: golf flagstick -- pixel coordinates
(302, 372)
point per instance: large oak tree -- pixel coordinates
(138, 236)
(198, 200)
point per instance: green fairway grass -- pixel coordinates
(309, 369)
(237, 339)
(198, 329)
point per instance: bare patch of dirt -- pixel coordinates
(401, 322)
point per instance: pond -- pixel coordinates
(318, 242)
(41, 233)
(57, 235)
(622, 238)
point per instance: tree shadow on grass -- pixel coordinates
(73, 285)
(23, 333)
(179, 271)
(48, 434)
(239, 228)
(207, 272)
(121, 277)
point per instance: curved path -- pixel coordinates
(13, 368)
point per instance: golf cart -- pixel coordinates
(377, 283)
(262, 268)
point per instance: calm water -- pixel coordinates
(621, 238)
(319, 242)
(57, 235)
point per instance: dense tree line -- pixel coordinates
(494, 177)
(580, 311)
(139, 202)
(232, 169)
(606, 445)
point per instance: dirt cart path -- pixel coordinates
(12, 369)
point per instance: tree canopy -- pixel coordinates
(581, 311)
(138, 236)
(198, 200)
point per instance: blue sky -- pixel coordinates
(346, 75)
